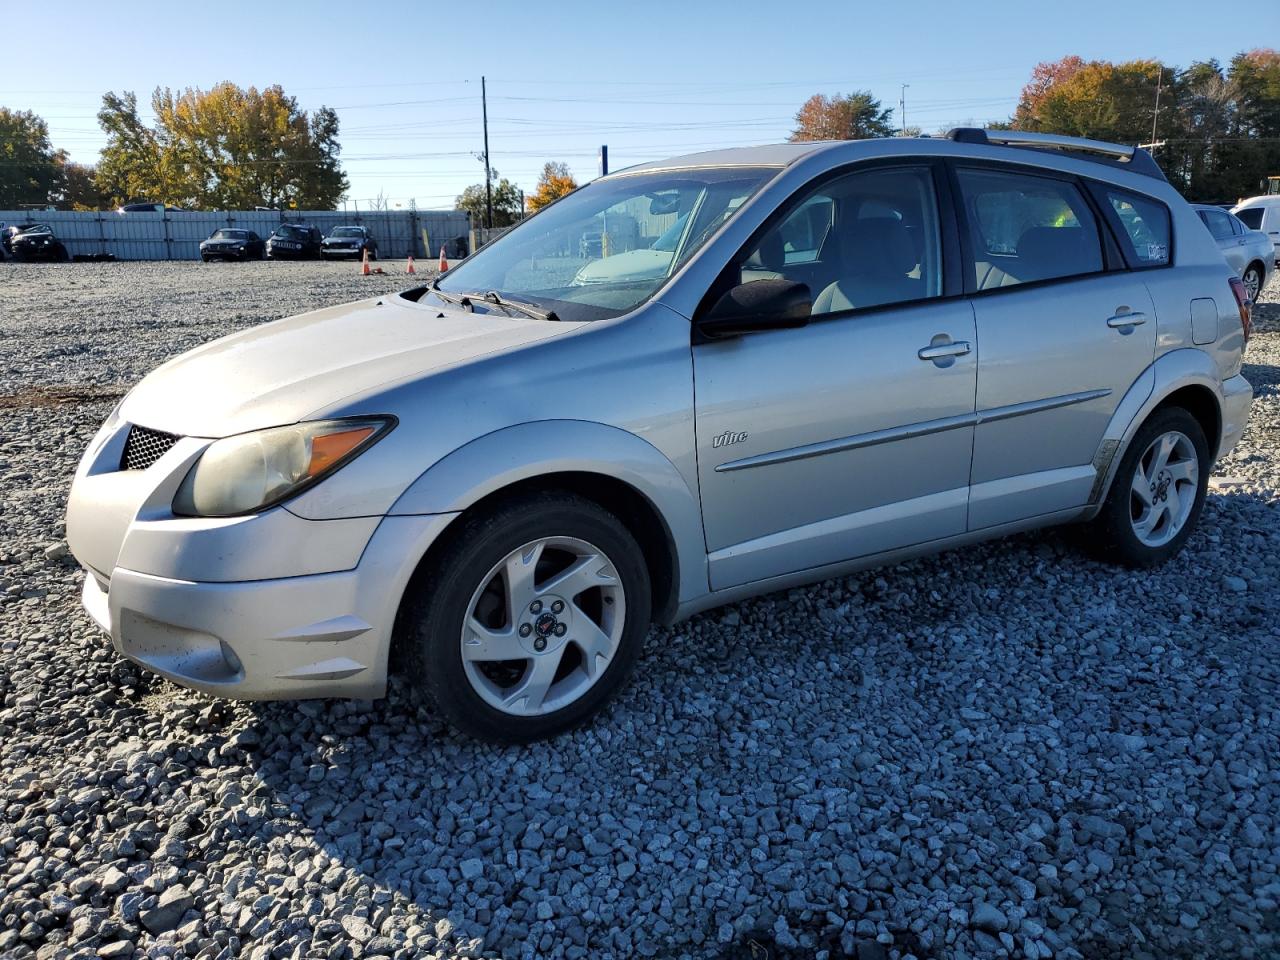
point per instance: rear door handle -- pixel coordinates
(1127, 320)
(957, 348)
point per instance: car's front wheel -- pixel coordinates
(530, 619)
(1158, 491)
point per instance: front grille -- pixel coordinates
(144, 447)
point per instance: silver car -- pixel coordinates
(857, 352)
(1250, 253)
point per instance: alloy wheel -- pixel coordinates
(1252, 283)
(543, 626)
(1163, 488)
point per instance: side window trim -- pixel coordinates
(1099, 190)
(1111, 255)
(952, 273)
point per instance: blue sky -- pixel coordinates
(650, 79)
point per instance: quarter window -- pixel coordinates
(863, 240)
(1145, 225)
(1025, 228)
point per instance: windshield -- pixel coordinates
(292, 233)
(608, 247)
(347, 232)
(36, 228)
(230, 235)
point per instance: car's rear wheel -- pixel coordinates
(1253, 281)
(1158, 491)
(530, 619)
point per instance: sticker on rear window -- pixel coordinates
(1157, 252)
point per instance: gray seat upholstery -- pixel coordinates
(877, 254)
(767, 261)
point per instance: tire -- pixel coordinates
(1130, 529)
(204, 258)
(613, 613)
(1252, 278)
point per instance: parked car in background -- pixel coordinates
(1262, 213)
(1250, 253)
(229, 243)
(349, 242)
(499, 479)
(36, 241)
(7, 233)
(294, 241)
(149, 208)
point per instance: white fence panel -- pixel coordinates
(176, 235)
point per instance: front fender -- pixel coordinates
(1169, 373)
(538, 448)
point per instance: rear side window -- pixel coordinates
(1251, 218)
(1026, 228)
(1145, 227)
(1217, 223)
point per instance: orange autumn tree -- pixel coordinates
(555, 182)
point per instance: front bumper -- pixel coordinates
(268, 606)
(326, 635)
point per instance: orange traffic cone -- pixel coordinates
(410, 269)
(364, 264)
(444, 262)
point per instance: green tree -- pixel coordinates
(555, 182)
(856, 116)
(1256, 78)
(79, 189)
(30, 169)
(506, 202)
(224, 148)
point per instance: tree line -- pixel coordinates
(224, 148)
(1215, 132)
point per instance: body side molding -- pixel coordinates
(922, 429)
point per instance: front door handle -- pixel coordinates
(1126, 321)
(941, 351)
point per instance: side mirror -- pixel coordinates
(756, 306)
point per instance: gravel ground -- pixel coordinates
(1009, 750)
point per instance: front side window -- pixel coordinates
(603, 250)
(866, 239)
(1251, 217)
(1145, 228)
(1025, 228)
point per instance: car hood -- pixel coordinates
(632, 265)
(291, 369)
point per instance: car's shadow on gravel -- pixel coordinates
(1031, 725)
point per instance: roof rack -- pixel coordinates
(1134, 159)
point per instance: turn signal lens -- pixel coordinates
(328, 448)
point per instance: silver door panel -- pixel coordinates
(1042, 345)
(1029, 494)
(835, 405)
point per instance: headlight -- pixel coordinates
(253, 471)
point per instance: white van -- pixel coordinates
(1262, 213)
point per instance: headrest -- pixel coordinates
(1045, 252)
(878, 246)
(770, 255)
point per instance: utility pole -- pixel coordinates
(488, 179)
(902, 108)
(1156, 117)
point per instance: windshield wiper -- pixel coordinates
(462, 301)
(520, 306)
